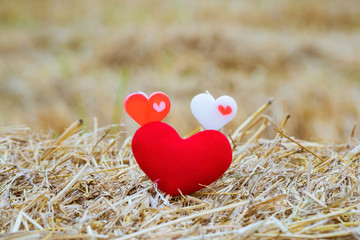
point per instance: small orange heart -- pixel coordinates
(225, 110)
(145, 109)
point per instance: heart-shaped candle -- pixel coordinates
(181, 165)
(145, 109)
(211, 113)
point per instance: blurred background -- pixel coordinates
(64, 60)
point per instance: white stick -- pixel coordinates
(16, 226)
(70, 184)
(32, 221)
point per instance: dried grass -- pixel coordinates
(88, 185)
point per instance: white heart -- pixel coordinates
(159, 107)
(206, 110)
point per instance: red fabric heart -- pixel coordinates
(181, 164)
(225, 110)
(145, 109)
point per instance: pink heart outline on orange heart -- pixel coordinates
(144, 109)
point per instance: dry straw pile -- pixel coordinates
(88, 185)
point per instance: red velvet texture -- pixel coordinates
(177, 164)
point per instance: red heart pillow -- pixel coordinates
(177, 164)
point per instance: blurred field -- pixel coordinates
(60, 60)
(65, 60)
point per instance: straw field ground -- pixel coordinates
(61, 61)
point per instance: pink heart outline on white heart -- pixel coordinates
(159, 107)
(207, 110)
